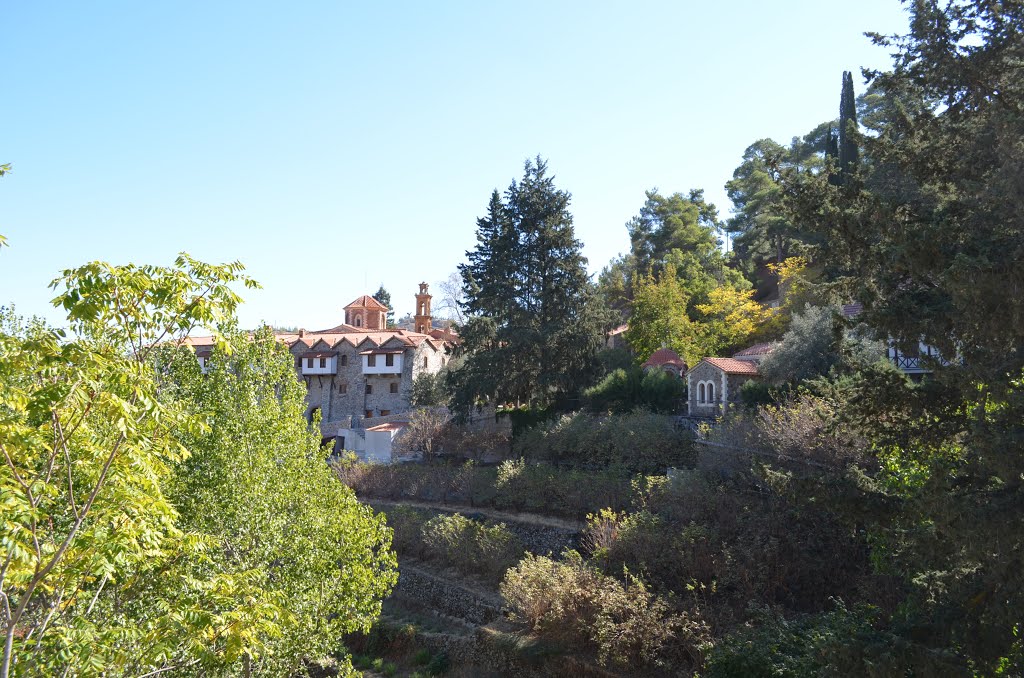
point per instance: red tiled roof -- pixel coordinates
(390, 426)
(444, 335)
(664, 356)
(756, 349)
(367, 301)
(733, 366)
(196, 342)
(357, 337)
(341, 329)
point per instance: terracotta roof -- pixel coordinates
(390, 426)
(665, 356)
(756, 349)
(356, 337)
(367, 301)
(733, 366)
(444, 335)
(196, 342)
(341, 329)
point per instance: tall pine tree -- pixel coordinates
(533, 333)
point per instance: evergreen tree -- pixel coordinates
(764, 231)
(934, 253)
(384, 297)
(848, 151)
(533, 329)
(678, 229)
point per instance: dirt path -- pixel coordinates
(528, 518)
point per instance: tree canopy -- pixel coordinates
(111, 564)
(532, 330)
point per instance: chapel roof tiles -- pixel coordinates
(366, 301)
(733, 366)
(757, 349)
(665, 356)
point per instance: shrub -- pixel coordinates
(470, 546)
(807, 428)
(574, 603)
(573, 493)
(625, 390)
(438, 666)
(514, 485)
(406, 524)
(809, 348)
(635, 442)
(841, 642)
(428, 428)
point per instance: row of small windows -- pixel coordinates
(371, 361)
(706, 392)
(393, 388)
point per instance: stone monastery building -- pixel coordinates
(360, 371)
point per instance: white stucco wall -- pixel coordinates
(331, 366)
(381, 366)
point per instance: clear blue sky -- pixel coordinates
(333, 146)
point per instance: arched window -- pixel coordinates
(424, 362)
(711, 393)
(358, 321)
(700, 393)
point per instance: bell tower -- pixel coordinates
(423, 320)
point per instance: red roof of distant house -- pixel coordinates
(665, 356)
(366, 301)
(390, 426)
(733, 366)
(444, 335)
(756, 349)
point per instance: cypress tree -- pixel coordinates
(832, 153)
(848, 152)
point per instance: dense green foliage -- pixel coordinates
(625, 624)
(533, 329)
(816, 344)
(763, 232)
(384, 297)
(632, 442)
(297, 539)
(625, 390)
(929, 235)
(470, 546)
(111, 564)
(678, 231)
(512, 485)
